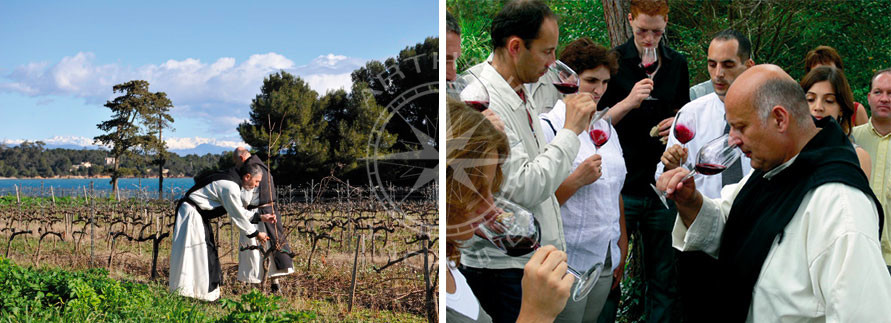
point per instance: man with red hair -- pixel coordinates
(638, 105)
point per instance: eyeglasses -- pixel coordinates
(644, 32)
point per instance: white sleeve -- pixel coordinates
(848, 271)
(705, 233)
(231, 199)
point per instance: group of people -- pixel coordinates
(793, 230)
(246, 192)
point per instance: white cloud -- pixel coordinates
(330, 82)
(217, 92)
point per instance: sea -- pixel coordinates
(127, 187)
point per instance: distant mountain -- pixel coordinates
(202, 149)
(70, 146)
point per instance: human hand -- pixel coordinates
(639, 93)
(268, 218)
(664, 127)
(589, 171)
(674, 157)
(494, 119)
(262, 237)
(546, 285)
(580, 107)
(681, 192)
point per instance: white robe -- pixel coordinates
(250, 262)
(189, 275)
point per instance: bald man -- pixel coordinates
(797, 239)
(250, 262)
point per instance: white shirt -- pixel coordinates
(463, 300)
(828, 267)
(532, 172)
(591, 215)
(710, 123)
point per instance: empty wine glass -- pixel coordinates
(649, 62)
(684, 128)
(568, 79)
(474, 93)
(713, 159)
(516, 232)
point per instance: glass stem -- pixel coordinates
(573, 272)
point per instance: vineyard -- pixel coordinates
(355, 257)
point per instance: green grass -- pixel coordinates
(53, 295)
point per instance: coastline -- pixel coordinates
(85, 177)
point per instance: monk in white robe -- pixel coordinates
(194, 264)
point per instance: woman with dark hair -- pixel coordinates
(590, 200)
(476, 151)
(829, 95)
(828, 56)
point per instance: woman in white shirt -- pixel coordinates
(829, 95)
(591, 204)
(476, 150)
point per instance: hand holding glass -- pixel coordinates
(713, 158)
(516, 232)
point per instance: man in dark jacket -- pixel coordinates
(250, 267)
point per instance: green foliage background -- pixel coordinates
(781, 31)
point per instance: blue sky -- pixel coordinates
(60, 59)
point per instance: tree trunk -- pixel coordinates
(114, 177)
(615, 13)
(161, 162)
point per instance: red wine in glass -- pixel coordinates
(649, 68)
(478, 105)
(599, 137)
(566, 88)
(683, 133)
(710, 169)
(516, 246)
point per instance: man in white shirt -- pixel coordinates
(729, 55)
(798, 238)
(524, 35)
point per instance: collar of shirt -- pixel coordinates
(501, 88)
(876, 132)
(776, 170)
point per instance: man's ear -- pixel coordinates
(780, 118)
(513, 45)
(749, 63)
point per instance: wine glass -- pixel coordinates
(684, 127)
(713, 159)
(474, 93)
(568, 79)
(516, 232)
(649, 62)
(600, 132)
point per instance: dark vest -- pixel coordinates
(763, 208)
(200, 182)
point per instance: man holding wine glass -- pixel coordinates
(524, 38)
(797, 239)
(698, 122)
(634, 117)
